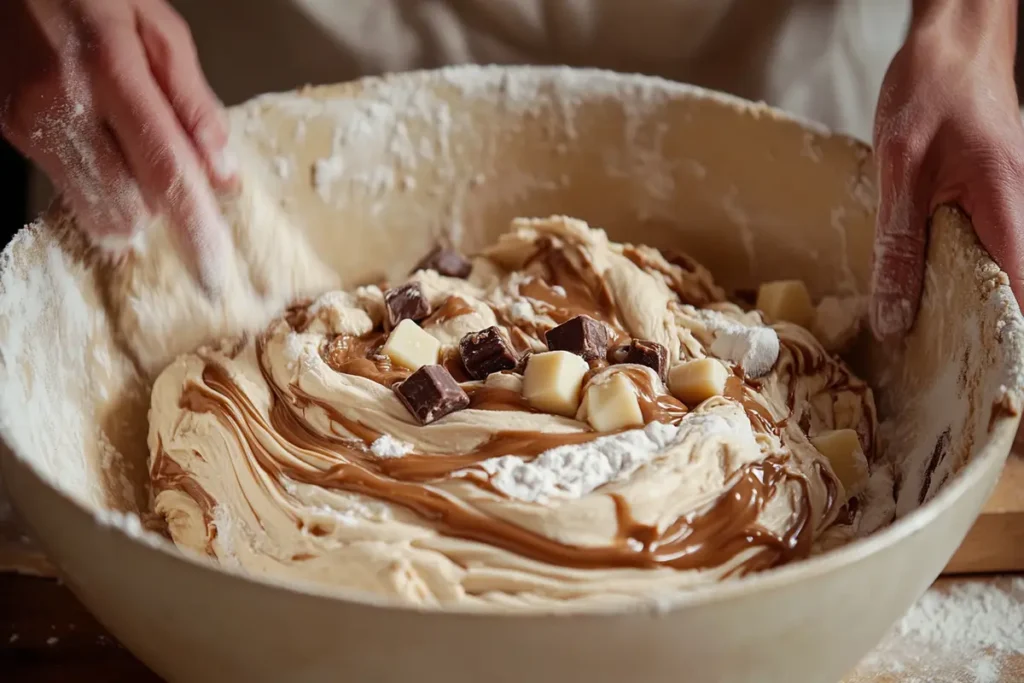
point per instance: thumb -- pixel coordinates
(897, 269)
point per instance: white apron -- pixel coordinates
(822, 59)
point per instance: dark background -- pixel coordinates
(13, 169)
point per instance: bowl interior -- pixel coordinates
(369, 176)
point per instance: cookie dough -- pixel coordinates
(290, 453)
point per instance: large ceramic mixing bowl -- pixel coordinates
(372, 174)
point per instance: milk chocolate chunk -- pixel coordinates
(406, 303)
(447, 262)
(486, 352)
(651, 354)
(581, 335)
(430, 393)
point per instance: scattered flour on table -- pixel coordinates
(964, 633)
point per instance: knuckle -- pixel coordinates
(897, 252)
(104, 55)
(170, 41)
(164, 168)
(179, 32)
(902, 146)
(201, 119)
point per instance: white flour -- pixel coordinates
(963, 633)
(573, 471)
(372, 147)
(755, 349)
(387, 446)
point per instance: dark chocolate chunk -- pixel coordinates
(651, 354)
(446, 262)
(581, 335)
(407, 301)
(486, 352)
(430, 393)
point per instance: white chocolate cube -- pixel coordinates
(410, 347)
(613, 405)
(696, 381)
(552, 381)
(786, 300)
(842, 448)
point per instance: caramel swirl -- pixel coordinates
(291, 456)
(705, 539)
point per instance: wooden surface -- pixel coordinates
(996, 541)
(46, 636)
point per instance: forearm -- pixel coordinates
(973, 29)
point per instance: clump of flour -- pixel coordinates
(573, 471)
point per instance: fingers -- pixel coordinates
(900, 235)
(175, 65)
(81, 157)
(161, 156)
(96, 181)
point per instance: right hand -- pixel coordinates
(108, 98)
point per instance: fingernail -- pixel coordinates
(891, 318)
(224, 163)
(222, 160)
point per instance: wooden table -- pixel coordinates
(47, 636)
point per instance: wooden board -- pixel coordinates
(996, 541)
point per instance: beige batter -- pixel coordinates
(289, 454)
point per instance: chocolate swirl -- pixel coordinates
(292, 456)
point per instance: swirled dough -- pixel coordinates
(288, 454)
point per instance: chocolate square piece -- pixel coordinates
(581, 335)
(430, 393)
(407, 301)
(651, 354)
(446, 262)
(486, 352)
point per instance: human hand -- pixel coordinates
(947, 130)
(108, 98)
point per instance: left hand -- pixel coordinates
(947, 130)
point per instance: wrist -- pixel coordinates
(972, 30)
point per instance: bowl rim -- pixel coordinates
(990, 453)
